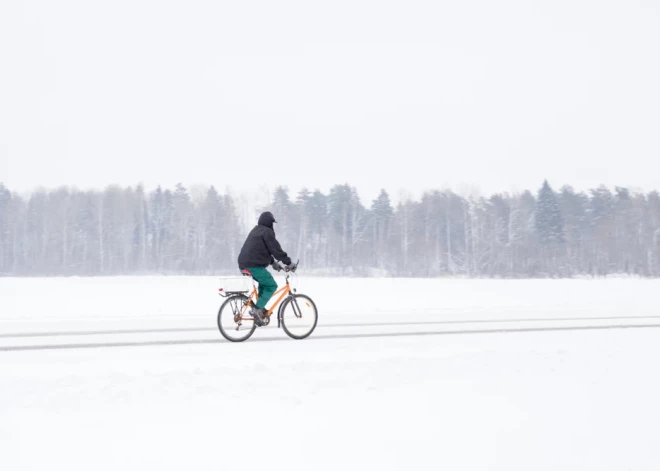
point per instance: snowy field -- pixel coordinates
(131, 373)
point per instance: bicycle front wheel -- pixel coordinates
(299, 316)
(234, 320)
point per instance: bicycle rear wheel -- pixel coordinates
(234, 321)
(299, 316)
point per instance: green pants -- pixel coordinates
(267, 285)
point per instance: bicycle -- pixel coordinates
(297, 314)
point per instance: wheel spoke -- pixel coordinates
(230, 319)
(299, 317)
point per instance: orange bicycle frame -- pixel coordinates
(283, 292)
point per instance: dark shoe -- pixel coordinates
(258, 315)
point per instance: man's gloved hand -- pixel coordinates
(291, 267)
(276, 266)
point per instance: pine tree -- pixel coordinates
(5, 203)
(548, 218)
(302, 221)
(381, 224)
(316, 210)
(282, 209)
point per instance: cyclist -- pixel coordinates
(261, 249)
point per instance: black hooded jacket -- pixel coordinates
(261, 246)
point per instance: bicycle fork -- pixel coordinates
(296, 311)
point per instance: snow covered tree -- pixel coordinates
(123, 230)
(574, 207)
(381, 226)
(549, 222)
(315, 210)
(652, 233)
(284, 211)
(5, 228)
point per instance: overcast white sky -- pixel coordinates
(401, 95)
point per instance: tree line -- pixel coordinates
(127, 230)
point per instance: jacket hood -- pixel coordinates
(267, 219)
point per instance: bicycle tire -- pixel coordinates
(233, 306)
(294, 331)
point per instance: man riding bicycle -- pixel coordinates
(261, 249)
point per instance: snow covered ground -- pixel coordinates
(131, 373)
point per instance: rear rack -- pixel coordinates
(231, 285)
(226, 294)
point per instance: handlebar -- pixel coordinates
(292, 268)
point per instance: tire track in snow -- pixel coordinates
(74, 333)
(151, 343)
